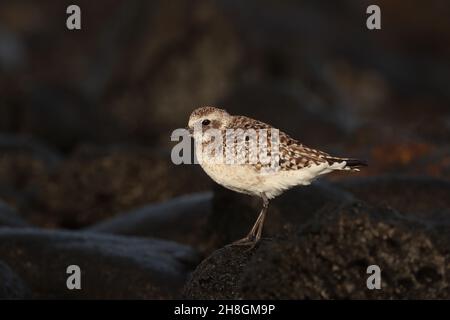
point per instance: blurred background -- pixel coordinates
(86, 116)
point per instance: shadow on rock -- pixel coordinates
(182, 219)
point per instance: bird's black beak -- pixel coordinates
(190, 130)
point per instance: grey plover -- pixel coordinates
(295, 164)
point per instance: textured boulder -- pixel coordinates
(182, 219)
(98, 183)
(23, 162)
(112, 267)
(329, 259)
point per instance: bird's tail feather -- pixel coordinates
(351, 164)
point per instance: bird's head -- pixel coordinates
(208, 118)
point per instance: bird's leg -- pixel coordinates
(255, 233)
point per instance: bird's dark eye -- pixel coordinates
(206, 122)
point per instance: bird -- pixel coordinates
(292, 163)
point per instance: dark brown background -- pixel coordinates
(86, 116)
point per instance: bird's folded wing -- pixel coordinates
(292, 154)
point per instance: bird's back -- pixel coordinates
(293, 155)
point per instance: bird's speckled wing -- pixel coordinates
(292, 154)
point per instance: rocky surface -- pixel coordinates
(112, 267)
(23, 162)
(91, 185)
(328, 259)
(330, 237)
(97, 183)
(11, 285)
(183, 219)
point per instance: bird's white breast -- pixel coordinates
(245, 179)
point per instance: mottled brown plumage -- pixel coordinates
(293, 154)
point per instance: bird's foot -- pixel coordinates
(248, 241)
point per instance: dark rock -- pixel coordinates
(98, 183)
(424, 198)
(112, 267)
(181, 219)
(329, 259)
(23, 158)
(9, 218)
(23, 162)
(11, 285)
(234, 214)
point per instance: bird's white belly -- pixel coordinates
(235, 177)
(245, 179)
